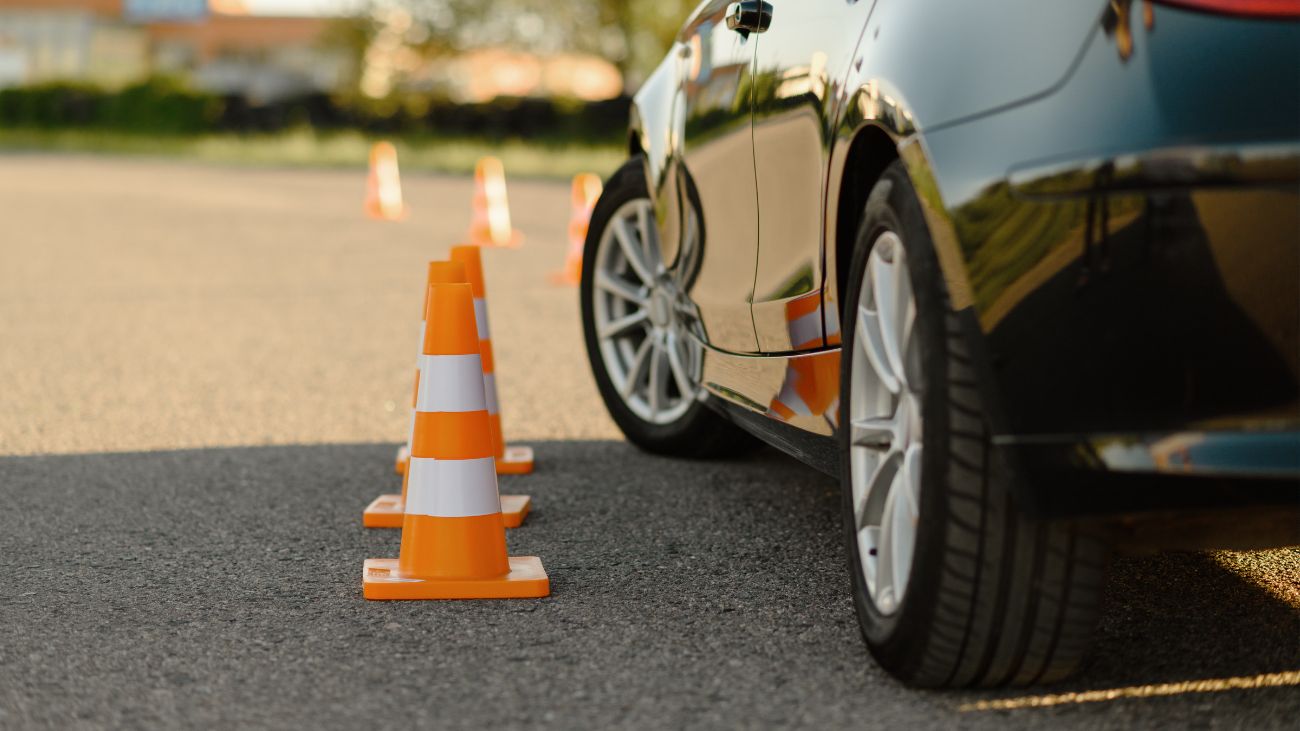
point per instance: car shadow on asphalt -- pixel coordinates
(223, 585)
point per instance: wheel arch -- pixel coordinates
(876, 128)
(870, 151)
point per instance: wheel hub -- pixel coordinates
(661, 307)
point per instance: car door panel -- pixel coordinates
(801, 62)
(716, 178)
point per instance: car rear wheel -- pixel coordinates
(953, 585)
(640, 332)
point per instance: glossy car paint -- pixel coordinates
(702, 93)
(1112, 192)
(799, 68)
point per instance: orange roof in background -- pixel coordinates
(103, 7)
(228, 7)
(221, 33)
(115, 8)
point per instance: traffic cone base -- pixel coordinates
(403, 459)
(526, 580)
(384, 511)
(387, 511)
(517, 460)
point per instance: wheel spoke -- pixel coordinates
(656, 385)
(678, 368)
(631, 251)
(885, 288)
(868, 548)
(636, 369)
(912, 480)
(873, 432)
(880, 479)
(885, 558)
(620, 287)
(649, 237)
(623, 324)
(870, 340)
(902, 534)
(906, 317)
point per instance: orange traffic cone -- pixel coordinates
(453, 540)
(386, 511)
(384, 185)
(511, 460)
(585, 193)
(491, 223)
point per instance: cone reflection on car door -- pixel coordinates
(811, 389)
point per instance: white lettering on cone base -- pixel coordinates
(452, 488)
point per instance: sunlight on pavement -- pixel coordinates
(1213, 685)
(1274, 571)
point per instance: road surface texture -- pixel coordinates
(204, 377)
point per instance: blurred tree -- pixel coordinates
(631, 34)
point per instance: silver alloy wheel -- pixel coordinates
(642, 318)
(885, 424)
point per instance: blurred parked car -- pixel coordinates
(1023, 274)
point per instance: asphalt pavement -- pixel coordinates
(204, 374)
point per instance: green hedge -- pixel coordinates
(157, 106)
(165, 106)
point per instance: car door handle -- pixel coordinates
(749, 16)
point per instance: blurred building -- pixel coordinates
(482, 74)
(220, 45)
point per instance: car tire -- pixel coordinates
(698, 431)
(993, 597)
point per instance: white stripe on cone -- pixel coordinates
(452, 488)
(410, 432)
(490, 387)
(480, 318)
(444, 383)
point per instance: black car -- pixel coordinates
(1023, 274)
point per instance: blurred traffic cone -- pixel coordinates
(491, 223)
(453, 539)
(511, 460)
(585, 193)
(384, 185)
(386, 510)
